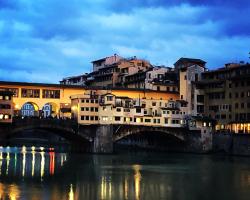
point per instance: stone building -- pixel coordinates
(227, 97)
(112, 71)
(190, 71)
(75, 80)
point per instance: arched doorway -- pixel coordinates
(50, 110)
(30, 109)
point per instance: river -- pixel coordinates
(39, 173)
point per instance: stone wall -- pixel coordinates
(232, 144)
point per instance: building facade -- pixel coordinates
(111, 109)
(6, 106)
(227, 97)
(75, 80)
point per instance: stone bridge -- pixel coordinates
(100, 137)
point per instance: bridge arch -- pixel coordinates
(63, 128)
(125, 131)
(29, 109)
(50, 109)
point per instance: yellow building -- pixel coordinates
(39, 99)
(31, 99)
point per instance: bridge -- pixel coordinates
(101, 138)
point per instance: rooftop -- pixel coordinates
(189, 60)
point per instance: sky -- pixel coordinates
(46, 40)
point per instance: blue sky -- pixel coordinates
(46, 40)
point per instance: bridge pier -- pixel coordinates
(103, 141)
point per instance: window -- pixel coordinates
(83, 101)
(223, 116)
(87, 118)
(242, 95)
(181, 96)
(87, 109)
(230, 95)
(82, 117)
(82, 108)
(92, 109)
(87, 100)
(147, 120)
(96, 117)
(242, 83)
(242, 105)
(196, 77)
(30, 93)
(158, 88)
(92, 118)
(13, 90)
(200, 98)
(153, 103)
(248, 93)
(5, 106)
(138, 110)
(51, 94)
(236, 105)
(96, 109)
(236, 95)
(92, 101)
(118, 109)
(109, 98)
(138, 120)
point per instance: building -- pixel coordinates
(75, 80)
(39, 99)
(112, 71)
(227, 97)
(6, 106)
(162, 79)
(108, 108)
(53, 100)
(190, 71)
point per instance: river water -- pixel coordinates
(39, 173)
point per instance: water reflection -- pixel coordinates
(31, 173)
(28, 163)
(137, 178)
(71, 193)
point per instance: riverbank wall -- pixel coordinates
(232, 144)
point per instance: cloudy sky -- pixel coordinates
(45, 40)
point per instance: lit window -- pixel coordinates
(1, 116)
(6, 116)
(138, 120)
